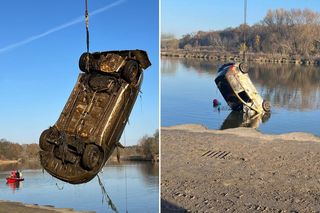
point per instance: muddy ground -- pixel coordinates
(238, 170)
(16, 207)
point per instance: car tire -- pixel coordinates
(265, 117)
(84, 59)
(266, 106)
(92, 157)
(243, 68)
(43, 143)
(131, 71)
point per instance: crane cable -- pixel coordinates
(244, 31)
(87, 68)
(125, 172)
(87, 34)
(87, 25)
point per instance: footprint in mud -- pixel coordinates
(257, 207)
(261, 208)
(178, 194)
(185, 195)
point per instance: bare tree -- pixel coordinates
(288, 32)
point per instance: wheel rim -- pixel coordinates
(243, 68)
(43, 143)
(91, 157)
(266, 106)
(131, 71)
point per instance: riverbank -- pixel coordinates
(16, 207)
(6, 162)
(238, 170)
(237, 57)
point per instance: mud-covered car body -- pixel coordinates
(237, 89)
(90, 126)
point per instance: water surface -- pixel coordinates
(133, 187)
(188, 90)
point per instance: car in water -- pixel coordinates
(89, 128)
(238, 90)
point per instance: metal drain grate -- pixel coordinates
(216, 154)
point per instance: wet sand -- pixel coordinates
(238, 170)
(16, 207)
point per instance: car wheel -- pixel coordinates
(92, 156)
(266, 106)
(85, 61)
(131, 71)
(243, 68)
(43, 143)
(266, 116)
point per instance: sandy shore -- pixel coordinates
(238, 170)
(16, 207)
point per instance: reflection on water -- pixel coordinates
(188, 89)
(133, 187)
(289, 86)
(169, 67)
(238, 119)
(15, 186)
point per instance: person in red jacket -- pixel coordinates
(13, 174)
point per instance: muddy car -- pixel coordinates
(89, 128)
(239, 92)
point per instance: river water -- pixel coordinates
(132, 187)
(188, 89)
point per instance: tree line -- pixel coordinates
(292, 32)
(15, 151)
(147, 147)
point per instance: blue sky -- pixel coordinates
(40, 45)
(186, 16)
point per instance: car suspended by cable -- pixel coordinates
(89, 128)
